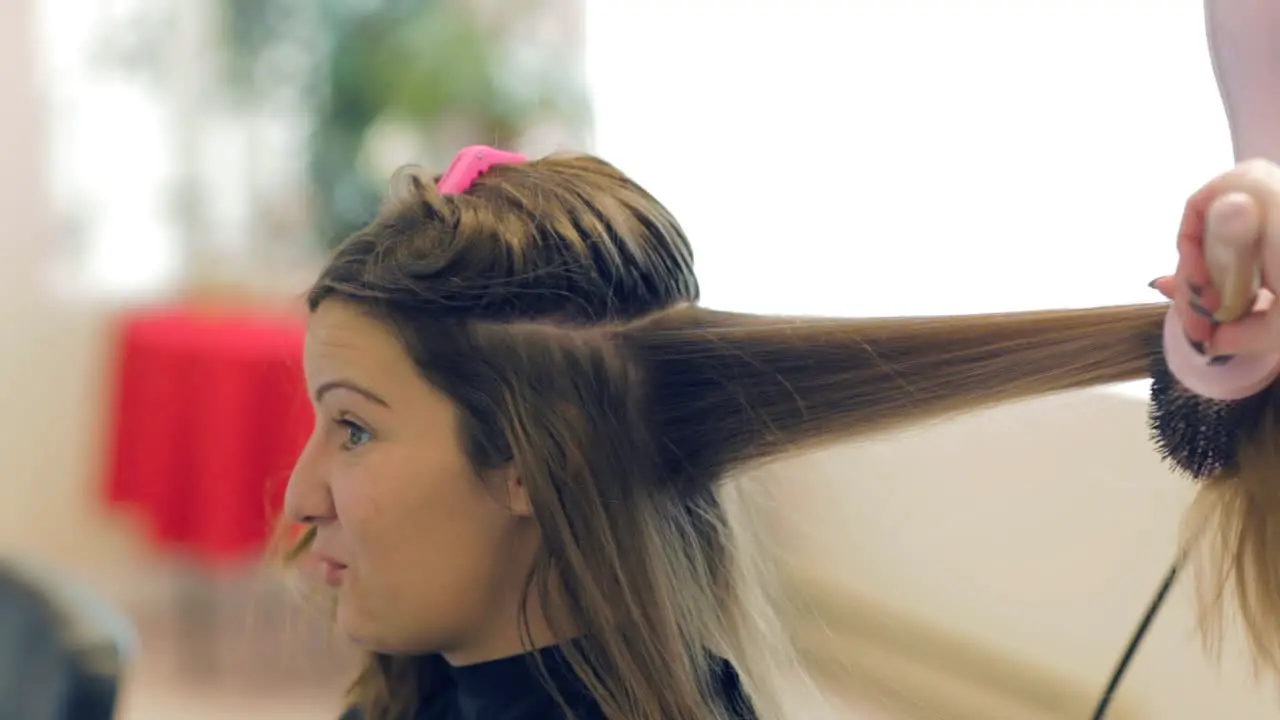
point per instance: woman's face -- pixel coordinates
(423, 554)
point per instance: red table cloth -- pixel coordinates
(209, 416)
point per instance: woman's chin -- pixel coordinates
(368, 638)
(359, 630)
(350, 625)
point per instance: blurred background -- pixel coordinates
(175, 174)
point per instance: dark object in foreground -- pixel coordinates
(62, 650)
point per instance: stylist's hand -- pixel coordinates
(1232, 226)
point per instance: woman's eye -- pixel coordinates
(355, 435)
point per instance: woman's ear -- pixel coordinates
(515, 491)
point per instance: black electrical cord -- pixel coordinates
(1117, 675)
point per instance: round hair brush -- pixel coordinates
(1210, 415)
(1199, 436)
(1203, 406)
(1200, 432)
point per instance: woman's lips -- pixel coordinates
(333, 572)
(330, 571)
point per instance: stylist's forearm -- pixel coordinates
(1244, 42)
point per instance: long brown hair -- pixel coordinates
(1231, 536)
(560, 303)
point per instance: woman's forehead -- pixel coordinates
(343, 340)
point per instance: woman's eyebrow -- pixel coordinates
(356, 388)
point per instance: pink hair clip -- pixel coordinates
(472, 162)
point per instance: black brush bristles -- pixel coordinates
(1199, 436)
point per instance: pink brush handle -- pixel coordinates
(1242, 36)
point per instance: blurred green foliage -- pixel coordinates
(356, 62)
(352, 64)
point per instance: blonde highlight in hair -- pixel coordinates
(1232, 538)
(561, 306)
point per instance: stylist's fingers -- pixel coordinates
(1233, 231)
(1165, 285)
(1194, 298)
(1256, 332)
(1251, 333)
(1222, 224)
(1260, 179)
(1235, 211)
(1191, 279)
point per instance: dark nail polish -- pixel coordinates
(1195, 288)
(1200, 310)
(1221, 359)
(1197, 346)
(1153, 283)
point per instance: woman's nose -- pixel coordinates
(308, 499)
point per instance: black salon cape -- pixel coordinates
(512, 689)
